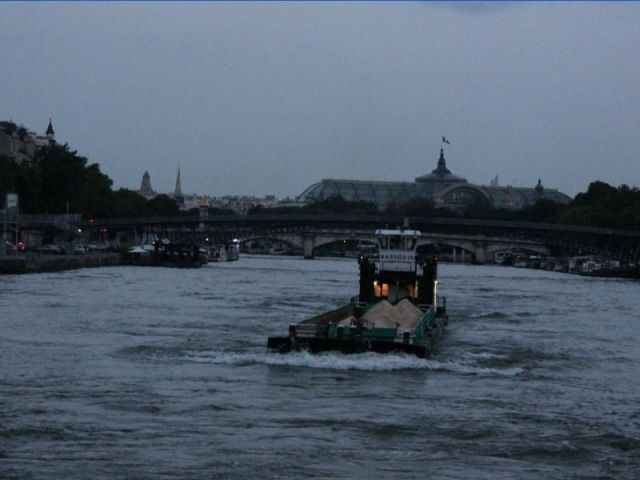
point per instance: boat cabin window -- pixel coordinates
(380, 289)
(396, 242)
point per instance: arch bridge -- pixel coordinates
(561, 240)
(481, 248)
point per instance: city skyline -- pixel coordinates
(268, 99)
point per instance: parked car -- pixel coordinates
(11, 248)
(97, 247)
(51, 249)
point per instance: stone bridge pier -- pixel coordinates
(307, 247)
(481, 253)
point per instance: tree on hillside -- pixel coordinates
(599, 194)
(62, 179)
(96, 196)
(57, 180)
(9, 173)
(605, 206)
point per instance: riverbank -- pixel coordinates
(55, 263)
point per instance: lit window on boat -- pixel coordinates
(380, 289)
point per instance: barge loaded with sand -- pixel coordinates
(397, 309)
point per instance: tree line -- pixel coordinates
(58, 180)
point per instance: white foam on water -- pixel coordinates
(337, 361)
(329, 361)
(475, 370)
(485, 355)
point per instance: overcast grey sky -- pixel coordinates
(268, 98)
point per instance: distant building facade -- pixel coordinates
(21, 144)
(145, 187)
(239, 204)
(442, 186)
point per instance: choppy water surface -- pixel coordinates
(142, 373)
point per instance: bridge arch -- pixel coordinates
(449, 250)
(324, 241)
(530, 249)
(267, 239)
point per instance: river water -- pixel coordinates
(151, 373)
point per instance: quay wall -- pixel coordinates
(56, 263)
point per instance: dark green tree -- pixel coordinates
(221, 211)
(62, 179)
(605, 206)
(9, 173)
(163, 206)
(97, 196)
(127, 204)
(338, 205)
(414, 207)
(544, 210)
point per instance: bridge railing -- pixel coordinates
(41, 219)
(426, 223)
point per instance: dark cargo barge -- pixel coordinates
(397, 308)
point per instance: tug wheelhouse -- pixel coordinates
(398, 272)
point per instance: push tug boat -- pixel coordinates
(397, 308)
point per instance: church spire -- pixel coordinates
(178, 192)
(50, 133)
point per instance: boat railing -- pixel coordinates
(305, 330)
(423, 326)
(441, 302)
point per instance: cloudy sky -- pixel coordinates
(268, 98)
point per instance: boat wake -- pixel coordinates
(336, 361)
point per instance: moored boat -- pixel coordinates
(164, 254)
(397, 308)
(225, 252)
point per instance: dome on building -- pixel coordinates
(440, 178)
(380, 193)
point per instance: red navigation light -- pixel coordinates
(92, 220)
(103, 230)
